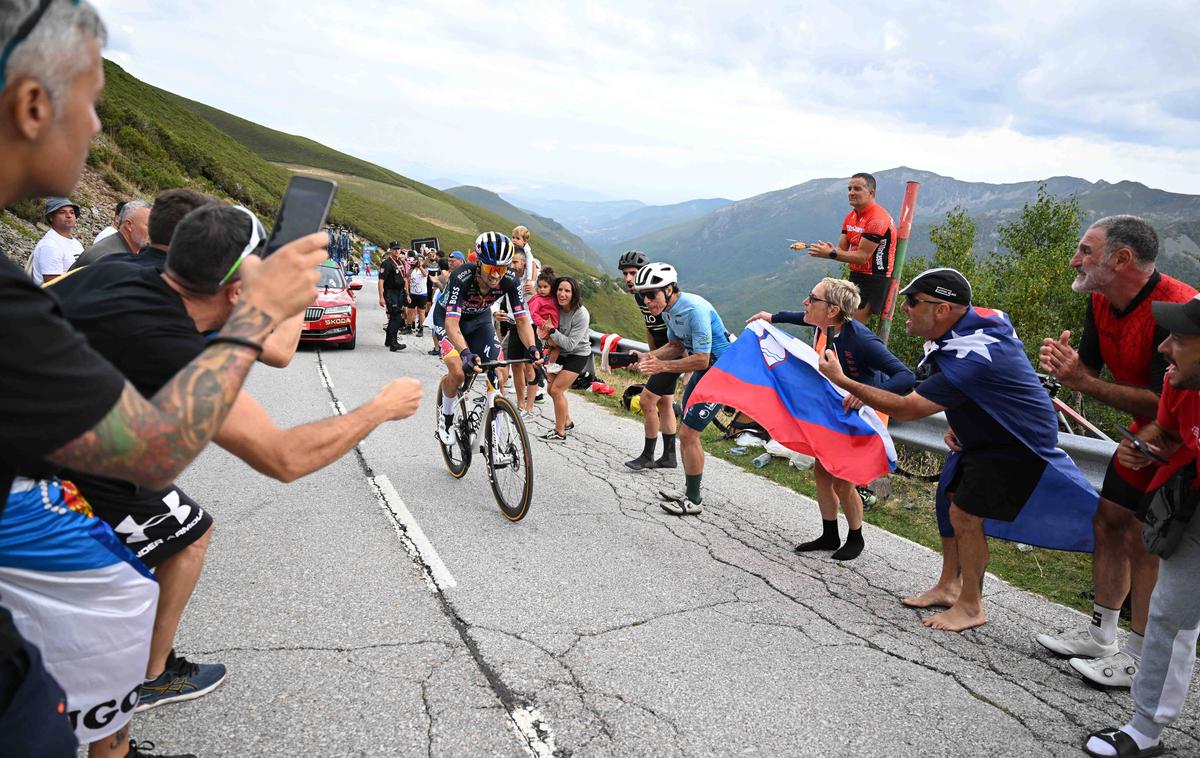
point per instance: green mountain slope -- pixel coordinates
(153, 140)
(546, 228)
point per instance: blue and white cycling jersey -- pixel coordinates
(693, 321)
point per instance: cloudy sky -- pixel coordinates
(665, 102)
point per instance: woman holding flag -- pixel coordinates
(830, 309)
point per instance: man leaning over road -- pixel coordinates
(867, 243)
(148, 324)
(49, 82)
(1115, 262)
(57, 250)
(132, 234)
(1168, 653)
(979, 376)
(658, 396)
(696, 338)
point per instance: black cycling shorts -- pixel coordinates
(476, 330)
(662, 384)
(417, 301)
(700, 415)
(573, 363)
(873, 288)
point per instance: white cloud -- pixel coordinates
(672, 101)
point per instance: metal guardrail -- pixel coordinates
(1090, 455)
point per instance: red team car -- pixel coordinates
(333, 316)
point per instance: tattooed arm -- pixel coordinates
(149, 442)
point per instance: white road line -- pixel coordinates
(326, 382)
(427, 554)
(533, 729)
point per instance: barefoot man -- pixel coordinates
(1002, 433)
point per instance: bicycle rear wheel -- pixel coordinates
(457, 455)
(509, 460)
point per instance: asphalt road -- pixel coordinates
(599, 625)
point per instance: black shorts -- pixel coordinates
(155, 525)
(476, 330)
(662, 385)
(873, 288)
(573, 363)
(700, 415)
(994, 488)
(417, 301)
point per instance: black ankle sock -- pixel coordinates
(853, 547)
(668, 443)
(648, 448)
(827, 541)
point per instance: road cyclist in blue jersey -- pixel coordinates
(831, 307)
(696, 338)
(462, 319)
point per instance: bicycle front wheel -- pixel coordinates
(457, 454)
(509, 460)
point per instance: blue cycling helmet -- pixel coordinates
(494, 249)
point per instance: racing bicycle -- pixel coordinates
(505, 445)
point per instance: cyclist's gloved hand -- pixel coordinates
(533, 353)
(470, 361)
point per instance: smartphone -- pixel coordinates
(829, 340)
(302, 212)
(1140, 446)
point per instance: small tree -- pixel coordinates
(1031, 279)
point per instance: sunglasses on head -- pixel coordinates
(257, 235)
(23, 31)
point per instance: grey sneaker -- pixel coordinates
(1078, 643)
(1117, 670)
(676, 503)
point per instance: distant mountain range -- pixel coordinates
(607, 225)
(737, 255)
(546, 228)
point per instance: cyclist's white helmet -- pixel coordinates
(654, 276)
(494, 249)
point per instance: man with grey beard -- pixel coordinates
(133, 233)
(1115, 262)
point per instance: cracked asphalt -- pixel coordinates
(600, 624)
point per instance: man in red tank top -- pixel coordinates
(1115, 263)
(867, 243)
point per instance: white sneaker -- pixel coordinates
(1116, 670)
(553, 368)
(1078, 643)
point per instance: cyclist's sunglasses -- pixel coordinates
(257, 235)
(491, 270)
(23, 31)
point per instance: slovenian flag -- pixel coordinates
(1058, 515)
(773, 378)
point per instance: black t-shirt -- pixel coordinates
(150, 257)
(53, 388)
(132, 317)
(393, 276)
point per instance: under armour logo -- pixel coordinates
(135, 532)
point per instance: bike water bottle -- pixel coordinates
(762, 460)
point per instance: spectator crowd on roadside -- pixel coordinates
(162, 318)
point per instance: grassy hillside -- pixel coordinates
(152, 140)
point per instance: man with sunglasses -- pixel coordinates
(148, 323)
(462, 319)
(64, 405)
(1000, 421)
(696, 338)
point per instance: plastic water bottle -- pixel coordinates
(762, 460)
(737, 450)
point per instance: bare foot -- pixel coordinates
(957, 619)
(938, 596)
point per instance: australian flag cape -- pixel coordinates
(773, 378)
(983, 358)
